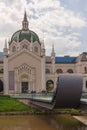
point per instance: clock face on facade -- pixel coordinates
(49, 85)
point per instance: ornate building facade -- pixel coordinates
(24, 67)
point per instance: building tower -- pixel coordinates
(25, 22)
(5, 52)
(53, 59)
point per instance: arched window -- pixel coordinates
(1, 86)
(59, 71)
(47, 71)
(13, 49)
(86, 84)
(24, 46)
(49, 85)
(85, 69)
(36, 49)
(70, 71)
(1, 70)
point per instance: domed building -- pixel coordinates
(24, 67)
(24, 63)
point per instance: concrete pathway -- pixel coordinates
(82, 119)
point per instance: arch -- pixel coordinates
(24, 46)
(47, 71)
(49, 85)
(35, 49)
(70, 71)
(85, 69)
(1, 86)
(24, 83)
(59, 71)
(13, 49)
(24, 77)
(24, 68)
(86, 84)
(1, 71)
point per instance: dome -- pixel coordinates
(25, 34)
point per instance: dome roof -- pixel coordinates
(25, 34)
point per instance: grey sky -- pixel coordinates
(60, 22)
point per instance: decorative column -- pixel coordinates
(31, 44)
(53, 59)
(6, 79)
(43, 66)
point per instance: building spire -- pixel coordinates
(53, 51)
(25, 22)
(5, 50)
(52, 48)
(5, 43)
(42, 48)
(42, 44)
(25, 16)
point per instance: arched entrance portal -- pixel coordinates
(24, 86)
(24, 83)
(1, 86)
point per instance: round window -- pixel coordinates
(49, 85)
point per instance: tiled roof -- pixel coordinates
(65, 59)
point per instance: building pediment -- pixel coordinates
(24, 41)
(23, 52)
(13, 43)
(82, 57)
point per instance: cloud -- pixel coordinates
(51, 12)
(48, 18)
(64, 44)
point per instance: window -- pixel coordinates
(49, 85)
(1, 86)
(86, 84)
(24, 46)
(24, 87)
(13, 49)
(59, 71)
(85, 69)
(47, 71)
(1, 70)
(36, 49)
(70, 71)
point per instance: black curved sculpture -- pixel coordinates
(1, 86)
(67, 94)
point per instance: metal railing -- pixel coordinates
(39, 96)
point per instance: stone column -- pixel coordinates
(6, 76)
(43, 66)
(43, 73)
(53, 59)
(33, 86)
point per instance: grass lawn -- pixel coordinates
(8, 104)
